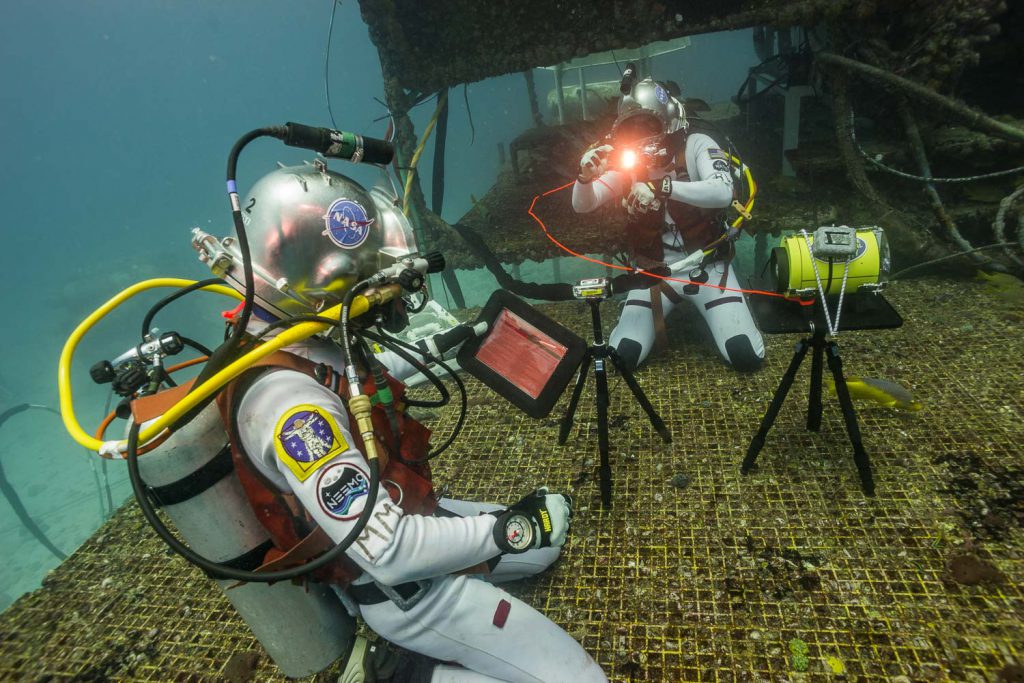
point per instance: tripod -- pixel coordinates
(599, 352)
(831, 351)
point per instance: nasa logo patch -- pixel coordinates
(862, 246)
(661, 94)
(720, 165)
(347, 223)
(305, 438)
(341, 491)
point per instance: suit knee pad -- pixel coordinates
(413, 668)
(629, 351)
(741, 354)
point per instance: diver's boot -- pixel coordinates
(369, 663)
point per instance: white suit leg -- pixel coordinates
(633, 336)
(446, 673)
(509, 567)
(738, 340)
(454, 622)
(726, 312)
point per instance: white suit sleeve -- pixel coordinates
(588, 196)
(708, 167)
(297, 433)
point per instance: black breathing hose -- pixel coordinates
(228, 351)
(201, 348)
(397, 346)
(346, 304)
(391, 344)
(147, 322)
(331, 143)
(221, 571)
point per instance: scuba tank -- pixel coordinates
(304, 628)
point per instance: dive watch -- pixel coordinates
(514, 532)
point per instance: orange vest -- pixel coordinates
(296, 537)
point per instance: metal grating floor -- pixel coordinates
(789, 573)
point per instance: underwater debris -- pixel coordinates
(968, 569)
(241, 667)
(680, 481)
(1011, 673)
(835, 665)
(990, 498)
(1007, 288)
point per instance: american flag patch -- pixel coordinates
(716, 153)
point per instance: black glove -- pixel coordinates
(539, 520)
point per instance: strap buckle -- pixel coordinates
(406, 603)
(740, 209)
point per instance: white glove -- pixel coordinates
(594, 163)
(641, 199)
(687, 264)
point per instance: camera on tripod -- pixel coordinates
(806, 262)
(595, 288)
(529, 359)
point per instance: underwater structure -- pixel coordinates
(695, 571)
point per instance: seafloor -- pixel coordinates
(696, 573)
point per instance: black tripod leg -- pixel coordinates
(757, 443)
(570, 412)
(814, 399)
(601, 377)
(641, 397)
(860, 456)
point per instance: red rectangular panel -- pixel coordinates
(520, 353)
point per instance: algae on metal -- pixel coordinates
(712, 580)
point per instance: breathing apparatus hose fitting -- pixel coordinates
(339, 144)
(360, 407)
(628, 79)
(403, 350)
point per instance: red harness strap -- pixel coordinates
(296, 537)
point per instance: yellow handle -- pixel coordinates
(67, 410)
(749, 206)
(294, 334)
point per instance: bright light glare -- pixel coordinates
(628, 159)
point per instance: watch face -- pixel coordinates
(519, 532)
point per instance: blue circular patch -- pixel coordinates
(341, 491)
(661, 94)
(348, 226)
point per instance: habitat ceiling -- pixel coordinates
(428, 45)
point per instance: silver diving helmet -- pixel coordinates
(312, 234)
(648, 110)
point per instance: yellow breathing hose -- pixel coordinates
(749, 206)
(419, 150)
(294, 334)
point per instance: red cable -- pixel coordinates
(649, 274)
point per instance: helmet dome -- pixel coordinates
(312, 234)
(648, 110)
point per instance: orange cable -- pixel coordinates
(101, 430)
(566, 249)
